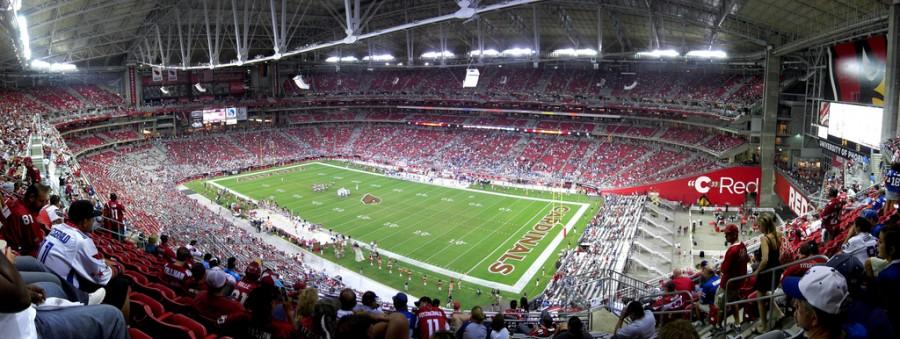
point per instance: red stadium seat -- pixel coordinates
(155, 307)
(134, 333)
(159, 329)
(197, 328)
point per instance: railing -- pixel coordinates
(614, 290)
(649, 298)
(773, 295)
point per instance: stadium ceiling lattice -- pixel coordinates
(203, 32)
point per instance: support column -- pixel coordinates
(771, 82)
(892, 75)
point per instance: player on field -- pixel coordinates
(379, 262)
(450, 287)
(424, 279)
(391, 266)
(440, 283)
(114, 216)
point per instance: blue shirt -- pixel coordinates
(888, 284)
(412, 321)
(873, 320)
(892, 181)
(237, 276)
(709, 288)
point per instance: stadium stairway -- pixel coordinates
(647, 249)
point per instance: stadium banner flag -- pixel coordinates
(157, 74)
(731, 186)
(791, 196)
(172, 75)
(856, 71)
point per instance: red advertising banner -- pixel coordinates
(791, 196)
(729, 186)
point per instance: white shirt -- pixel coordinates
(862, 246)
(502, 334)
(67, 251)
(19, 325)
(643, 328)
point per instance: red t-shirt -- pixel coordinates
(20, 229)
(114, 213)
(215, 306)
(242, 289)
(831, 214)
(798, 270)
(167, 253)
(734, 264)
(683, 284)
(178, 277)
(431, 320)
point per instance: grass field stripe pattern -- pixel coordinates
(449, 222)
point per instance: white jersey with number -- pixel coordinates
(69, 252)
(862, 246)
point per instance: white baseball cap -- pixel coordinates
(822, 287)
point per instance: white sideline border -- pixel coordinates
(515, 288)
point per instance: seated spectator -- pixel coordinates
(260, 304)
(806, 250)
(21, 232)
(400, 305)
(546, 328)
(818, 297)
(69, 252)
(206, 258)
(682, 283)
(165, 250)
(212, 303)
(230, 268)
(457, 318)
(152, 246)
(574, 330)
(474, 328)
(862, 319)
(369, 304)
(19, 318)
(348, 303)
(430, 319)
(709, 284)
(178, 275)
(498, 328)
(192, 246)
(306, 305)
(247, 284)
(860, 243)
(198, 279)
(887, 282)
(364, 326)
(642, 324)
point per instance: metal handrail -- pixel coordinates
(767, 297)
(657, 295)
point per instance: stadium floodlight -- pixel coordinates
(349, 59)
(24, 37)
(490, 53)
(380, 57)
(438, 55)
(199, 88)
(659, 53)
(571, 52)
(40, 65)
(707, 54)
(333, 59)
(517, 52)
(62, 67)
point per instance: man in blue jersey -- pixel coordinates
(400, 304)
(892, 188)
(887, 282)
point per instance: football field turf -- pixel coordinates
(486, 237)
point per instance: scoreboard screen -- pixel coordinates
(228, 115)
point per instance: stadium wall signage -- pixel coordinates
(523, 247)
(791, 196)
(856, 71)
(729, 186)
(843, 152)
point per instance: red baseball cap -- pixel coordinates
(732, 228)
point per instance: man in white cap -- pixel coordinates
(818, 297)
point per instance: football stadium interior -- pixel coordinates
(450, 169)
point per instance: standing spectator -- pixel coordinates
(498, 328)
(734, 264)
(806, 250)
(114, 216)
(642, 325)
(21, 232)
(818, 297)
(69, 252)
(348, 303)
(770, 248)
(474, 328)
(247, 284)
(888, 280)
(523, 303)
(682, 283)
(831, 213)
(369, 304)
(575, 330)
(892, 188)
(457, 318)
(178, 275)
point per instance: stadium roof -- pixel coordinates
(182, 33)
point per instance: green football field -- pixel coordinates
(486, 237)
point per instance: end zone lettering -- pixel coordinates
(528, 241)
